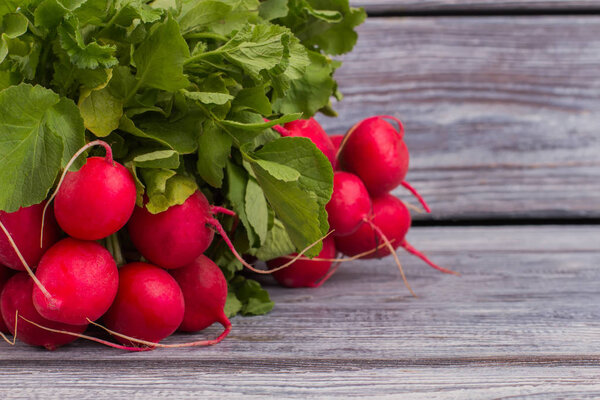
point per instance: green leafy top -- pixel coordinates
(181, 90)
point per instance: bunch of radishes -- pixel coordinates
(370, 160)
(77, 280)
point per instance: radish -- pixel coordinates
(310, 128)
(17, 296)
(205, 292)
(350, 204)
(390, 217)
(5, 274)
(175, 237)
(179, 235)
(97, 200)
(337, 141)
(375, 151)
(82, 279)
(24, 227)
(305, 272)
(149, 304)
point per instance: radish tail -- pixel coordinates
(22, 259)
(108, 158)
(392, 251)
(400, 126)
(82, 336)
(217, 225)
(408, 247)
(222, 210)
(14, 339)
(340, 260)
(223, 321)
(329, 274)
(417, 195)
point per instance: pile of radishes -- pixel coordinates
(64, 285)
(77, 281)
(366, 221)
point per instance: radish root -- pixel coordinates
(388, 244)
(24, 262)
(219, 228)
(329, 274)
(151, 345)
(408, 247)
(339, 260)
(14, 340)
(417, 195)
(87, 337)
(222, 210)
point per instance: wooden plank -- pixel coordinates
(193, 381)
(501, 114)
(436, 6)
(522, 320)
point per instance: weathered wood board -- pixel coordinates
(501, 113)
(522, 320)
(472, 6)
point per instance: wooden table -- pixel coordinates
(502, 116)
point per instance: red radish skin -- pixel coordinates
(337, 141)
(392, 218)
(310, 128)
(205, 292)
(17, 295)
(175, 237)
(304, 272)
(5, 274)
(149, 304)
(24, 226)
(95, 201)
(375, 152)
(82, 278)
(350, 204)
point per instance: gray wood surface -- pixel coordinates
(523, 320)
(424, 6)
(501, 113)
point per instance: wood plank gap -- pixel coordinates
(283, 364)
(482, 12)
(506, 221)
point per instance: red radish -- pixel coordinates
(350, 204)
(390, 217)
(305, 272)
(310, 128)
(97, 200)
(205, 292)
(375, 151)
(24, 227)
(337, 141)
(149, 304)
(175, 237)
(5, 274)
(82, 279)
(17, 296)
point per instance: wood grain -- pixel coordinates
(501, 114)
(424, 6)
(522, 320)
